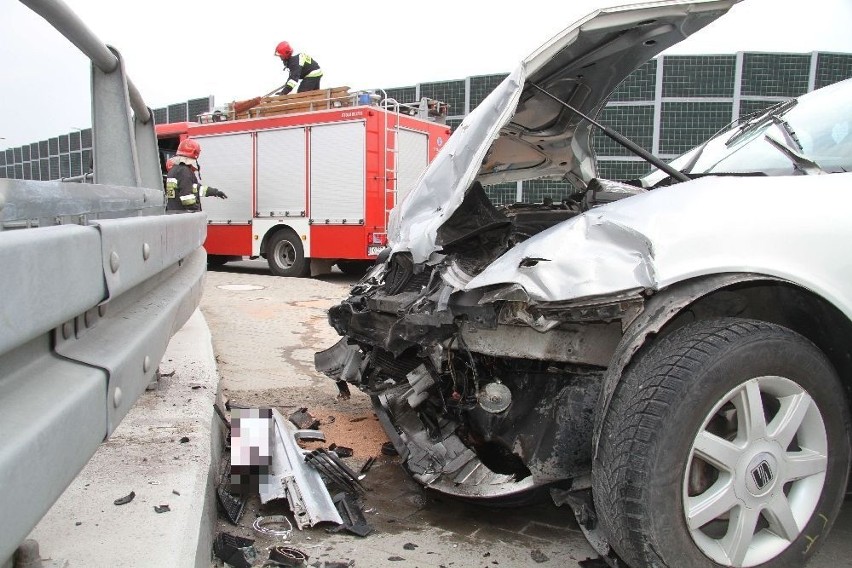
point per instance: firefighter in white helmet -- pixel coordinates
(301, 66)
(183, 188)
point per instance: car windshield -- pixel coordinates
(818, 127)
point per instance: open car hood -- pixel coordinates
(520, 133)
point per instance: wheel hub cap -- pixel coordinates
(761, 474)
(755, 472)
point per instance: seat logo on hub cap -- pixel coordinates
(762, 475)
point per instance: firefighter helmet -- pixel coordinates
(284, 50)
(189, 148)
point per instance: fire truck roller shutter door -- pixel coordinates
(281, 172)
(338, 173)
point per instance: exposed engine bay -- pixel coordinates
(474, 400)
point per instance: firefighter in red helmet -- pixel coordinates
(183, 188)
(301, 66)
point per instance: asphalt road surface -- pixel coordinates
(265, 331)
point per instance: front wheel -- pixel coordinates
(286, 255)
(726, 443)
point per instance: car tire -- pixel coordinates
(694, 449)
(286, 255)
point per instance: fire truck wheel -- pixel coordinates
(286, 256)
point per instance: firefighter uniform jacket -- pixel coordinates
(301, 66)
(183, 189)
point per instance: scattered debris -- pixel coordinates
(328, 464)
(224, 418)
(176, 492)
(234, 550)
(125, 500)
(389, 450)
(358, 419)
(366, 467)
(538, 556)
(231, 405)
(288, 556)
(303, 420)
(341, 451)
(486, 555)
(396, 558)
(274, 525)
(330, 420)
(231, 504)
(409, 546)
(169, 374)
(78, 523)
(353, 519)
(195, 386)
(184, 440)
(161, 508)
(343, 391)
(598, 562)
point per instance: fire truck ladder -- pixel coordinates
(391, 154)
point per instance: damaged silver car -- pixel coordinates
(667, 357)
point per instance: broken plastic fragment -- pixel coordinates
(303, 420)
(125, 500)
(234, 550)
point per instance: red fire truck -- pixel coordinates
(308, 190)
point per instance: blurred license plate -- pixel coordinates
(374, 250)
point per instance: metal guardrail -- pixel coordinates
(94, 280)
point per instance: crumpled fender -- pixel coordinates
(659, 310)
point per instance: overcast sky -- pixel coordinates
(182, 49)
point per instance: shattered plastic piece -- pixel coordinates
(343, 390)
(341, 451)
(366, 467)
(353, 518)
(389, 450)
(125, 500)
(184, 440)
(224, 418)
(231, 504)
(593, 563)
(303, 420)
(234, 550)
(161, 508)
(288, 556)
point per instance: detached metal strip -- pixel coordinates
(292, 478)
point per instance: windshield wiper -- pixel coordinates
(622, 140)
(801, 162)
(788, 131)
(771, 113)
